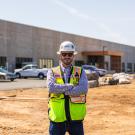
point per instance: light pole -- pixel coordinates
(103, 56)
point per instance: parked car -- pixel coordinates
(31, 70)
(99, 71)
(91, 75)
(6, 75)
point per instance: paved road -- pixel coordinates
(22, 83)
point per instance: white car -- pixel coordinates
(31, 71)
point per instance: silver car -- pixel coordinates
(6, 75)
(99, 71)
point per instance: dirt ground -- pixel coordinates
(110, 111)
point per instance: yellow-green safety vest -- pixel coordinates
(63, 108)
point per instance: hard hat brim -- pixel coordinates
(66, 51)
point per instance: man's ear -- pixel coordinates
(59, 56)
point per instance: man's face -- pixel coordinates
(66, 58)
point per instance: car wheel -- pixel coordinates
(18, 75)
(41, 76)
(12, 79)
(2, 78)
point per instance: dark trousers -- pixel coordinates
(73, 128)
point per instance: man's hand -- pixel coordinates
(69, 88)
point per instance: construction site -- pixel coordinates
(110, 99)
(110, 110)
(67, 67)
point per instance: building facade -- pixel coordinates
(20, 44)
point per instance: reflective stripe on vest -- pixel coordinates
(56, 104)
(78, 99)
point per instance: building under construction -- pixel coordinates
(21, 44)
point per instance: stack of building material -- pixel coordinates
(113, 82)
(122, 77)
(92, 79)
(92, 76)
(104, 80)
(93, 83)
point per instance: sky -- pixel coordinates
(111, 20)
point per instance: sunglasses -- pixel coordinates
(67, 54)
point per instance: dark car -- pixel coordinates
(6, 75)
(100, 72)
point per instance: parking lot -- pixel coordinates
(22, 83)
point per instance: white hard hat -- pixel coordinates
(67, 46)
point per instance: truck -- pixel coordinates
(31, 70)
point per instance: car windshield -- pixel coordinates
(29, 67)
(34, 67)
(93, 67)
(86, 67)
(89, 67)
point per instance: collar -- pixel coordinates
(65, 68)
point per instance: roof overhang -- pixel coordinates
(100, 53)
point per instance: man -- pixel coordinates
(67, 86)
